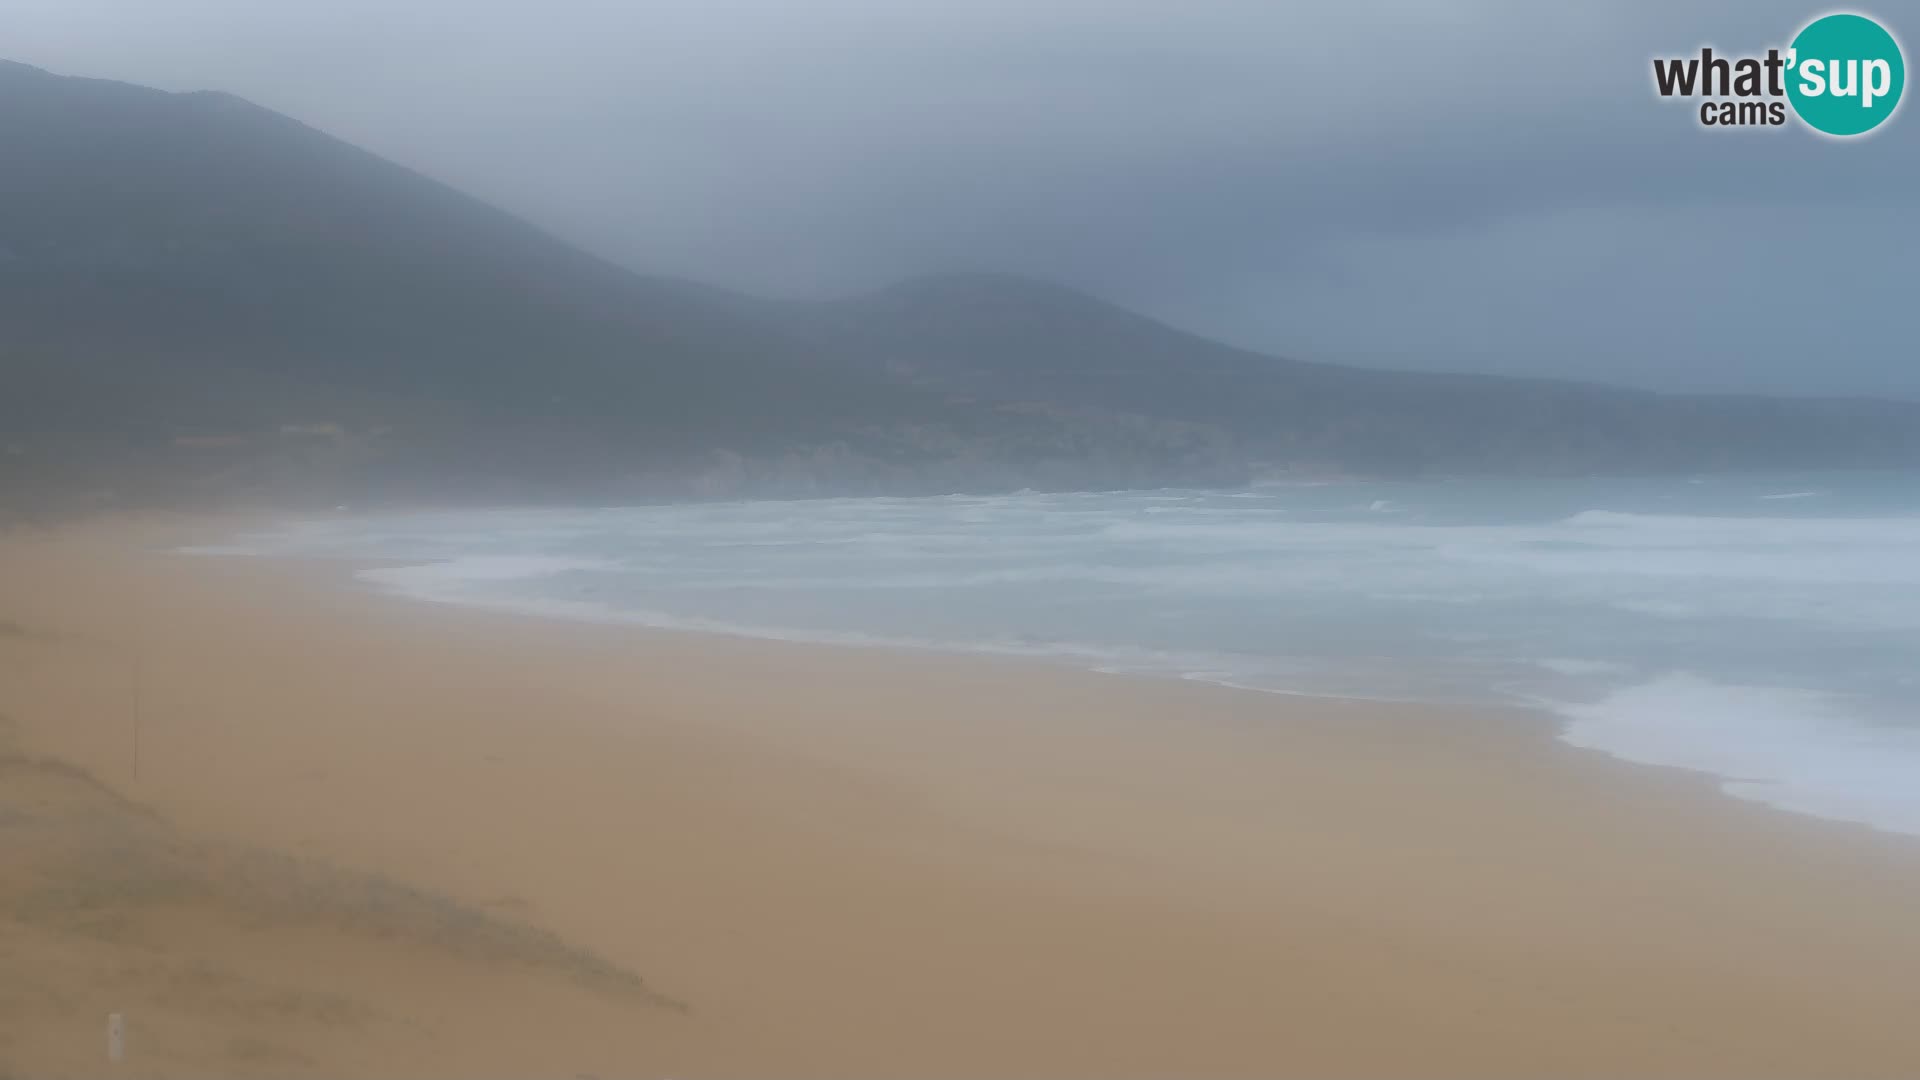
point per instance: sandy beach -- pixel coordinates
(292, 827)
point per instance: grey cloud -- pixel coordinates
(1481, 184)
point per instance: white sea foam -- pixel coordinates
(1793, 749)
(1799, 628)
(1576, 667)
(471, 569)
(441, 582)
(222, 549)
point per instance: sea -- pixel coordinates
(1764, 629)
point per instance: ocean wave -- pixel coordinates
(1789, 748)
(1575, 667)
(469, 569)
(1470, 594)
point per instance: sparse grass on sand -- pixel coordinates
(102, 903)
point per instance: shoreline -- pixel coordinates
(866, 862)
(1548, 715)
(1581, 725)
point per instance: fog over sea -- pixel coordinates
(1765, 629)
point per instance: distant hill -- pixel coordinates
(190, 265)
(199, 296)
(1001, 336)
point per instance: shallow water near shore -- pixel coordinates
(1765, 629)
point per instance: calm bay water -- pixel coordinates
(1762, 628)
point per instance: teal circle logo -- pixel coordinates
(1845, 74)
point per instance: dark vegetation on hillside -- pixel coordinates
(202, 298)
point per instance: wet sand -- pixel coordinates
(374, 837)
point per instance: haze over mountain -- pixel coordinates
(198, 296)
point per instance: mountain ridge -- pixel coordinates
(178, 269)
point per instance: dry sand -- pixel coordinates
(375, 837)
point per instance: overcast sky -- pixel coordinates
(1462, 184)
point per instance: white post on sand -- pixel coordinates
(116, 1037)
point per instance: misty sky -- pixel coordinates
(1463, 184)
